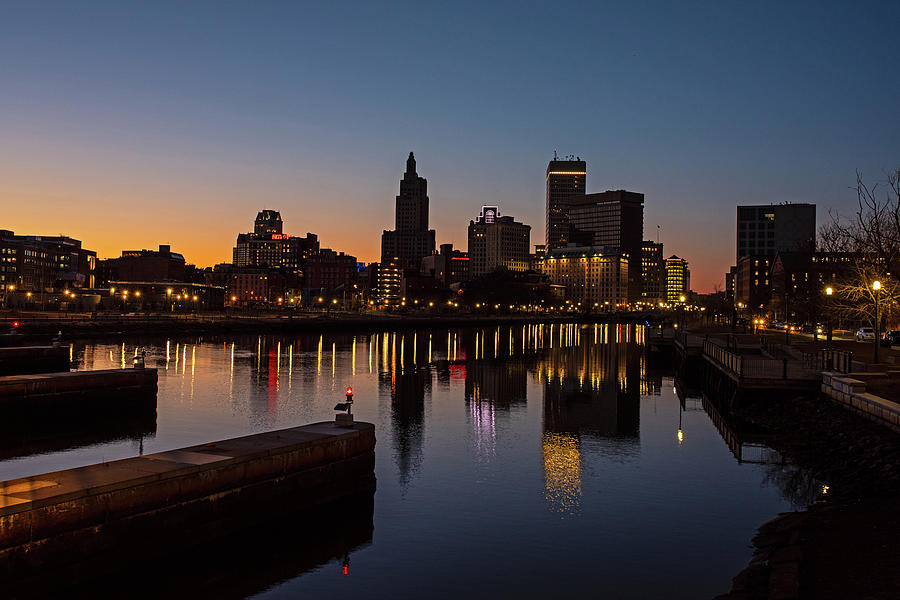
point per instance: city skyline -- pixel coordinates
(117, 143)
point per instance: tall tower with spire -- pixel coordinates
(410, 241)
(412, 203)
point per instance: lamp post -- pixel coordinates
(829, 291)
(876, 286)
(787, 318)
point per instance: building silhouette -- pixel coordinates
(565, 179)
(594, 277)
(448, 266)
(768, 229)
(410, 240)
(267, 221)
(678, 278)
(39, 263)
(267, 246)
(762, 232)
(611, 219)
(653, 272)
(496, 242)
(145, 265)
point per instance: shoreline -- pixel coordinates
(842, 546)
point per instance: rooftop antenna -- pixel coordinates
(554, 154)
(657, 234)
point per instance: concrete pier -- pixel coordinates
(23, 360)
(78, 395)
(190, 495)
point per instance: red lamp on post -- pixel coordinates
(344, 419)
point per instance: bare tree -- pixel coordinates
(871, 240)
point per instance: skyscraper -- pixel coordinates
(411, 240)
(565, 179)
(612, 219)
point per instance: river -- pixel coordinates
(522, 461)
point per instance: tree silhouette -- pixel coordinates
(871, 239)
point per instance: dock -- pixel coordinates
(185, 496)
(78, 395)
(21, 360)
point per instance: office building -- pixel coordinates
(410, 240)
(731, 284)
(328, 271)
(765, 230)
(753, 281)
(33, 263)
(144, 265)
(565, 179)
(612, 219)
(653, 272)
(595, 277)
(803, 276)
(253, 286)
(678, 279)
(497, 242)
(268, 247)
(389, 277)
(448, 266)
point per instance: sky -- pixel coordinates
(128, 125)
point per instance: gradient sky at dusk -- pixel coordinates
(129, 125)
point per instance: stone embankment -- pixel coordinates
(844, 546)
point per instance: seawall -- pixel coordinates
(184, 496)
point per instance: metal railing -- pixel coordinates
(840, 361)
(684, 339)
(752, 367)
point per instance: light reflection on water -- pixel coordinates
(527, 460)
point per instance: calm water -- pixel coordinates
(528, 461)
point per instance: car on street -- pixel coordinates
(865, 334)
(891, 338)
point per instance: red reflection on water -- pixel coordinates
(273, 382)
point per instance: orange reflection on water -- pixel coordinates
(562, 471)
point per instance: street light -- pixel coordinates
(876, 285)
(829, 292)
